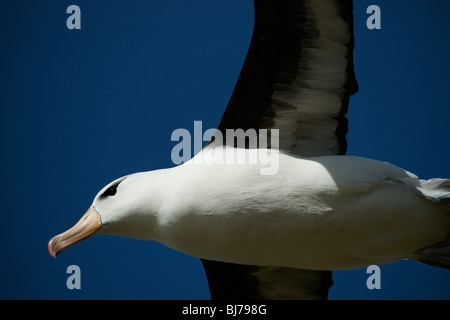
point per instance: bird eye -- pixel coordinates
(109, 192)
(112, 190)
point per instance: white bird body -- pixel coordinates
(275, 217)
(322, 213)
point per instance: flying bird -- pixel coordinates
(278, 234)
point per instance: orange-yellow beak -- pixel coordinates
(88, 224)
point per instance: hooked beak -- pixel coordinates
(88, 224)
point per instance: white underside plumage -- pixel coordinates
(324, 213)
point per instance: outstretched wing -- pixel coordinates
(235, 281)
(297, 77)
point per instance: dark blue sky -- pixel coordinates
(80, 108)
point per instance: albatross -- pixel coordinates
(279, 235)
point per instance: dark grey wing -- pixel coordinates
(235, 281)
(297, 77)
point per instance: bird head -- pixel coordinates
(121, 208)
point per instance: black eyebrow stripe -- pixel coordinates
(114, 185)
